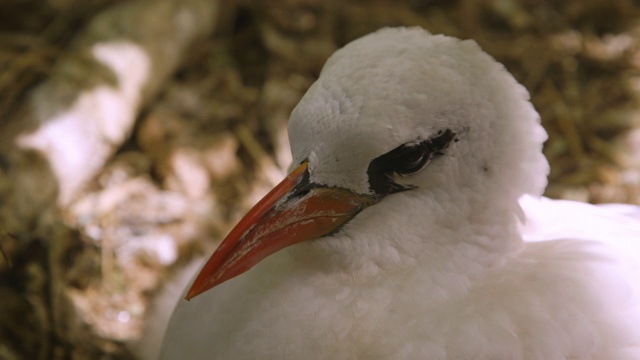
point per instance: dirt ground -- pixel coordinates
(212, 140)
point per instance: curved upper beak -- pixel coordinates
(294, 211)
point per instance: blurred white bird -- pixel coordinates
(413, 240)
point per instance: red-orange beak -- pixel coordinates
(294, 211)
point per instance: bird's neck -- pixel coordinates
(439, 236)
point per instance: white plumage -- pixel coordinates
(444, 261)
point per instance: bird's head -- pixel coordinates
(399, 119)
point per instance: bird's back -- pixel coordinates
(588, 262)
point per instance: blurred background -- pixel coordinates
(133, 134)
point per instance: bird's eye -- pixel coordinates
(412, 159)
(405, 160)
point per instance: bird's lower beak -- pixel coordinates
(294, 211)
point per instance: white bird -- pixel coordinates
(413, 240)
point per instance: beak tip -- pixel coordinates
(206, 280)
(195, 291)
(191, 294)
(197, 288)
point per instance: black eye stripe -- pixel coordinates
(405, 160)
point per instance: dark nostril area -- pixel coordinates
(301, 192)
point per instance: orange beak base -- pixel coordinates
(294, 211)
